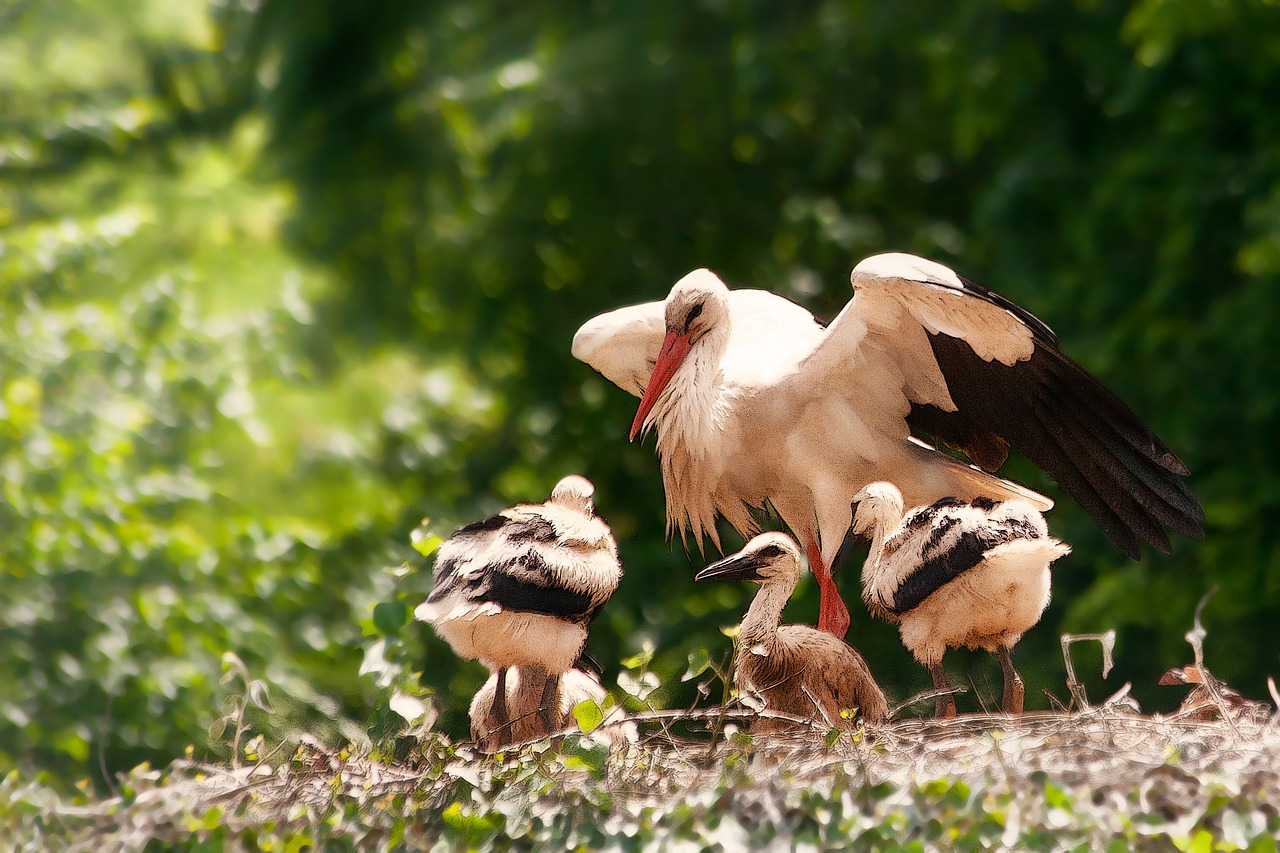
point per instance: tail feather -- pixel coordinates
(970, 481)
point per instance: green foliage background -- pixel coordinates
(280, 278)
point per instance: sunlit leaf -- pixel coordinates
(641, 687)
(425, 542)
(588, 714)
(409, 707)
(641, 659)
(699, 661)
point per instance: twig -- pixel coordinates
(818, 707)
(1108, 641)
(718, 725)
(1196, 638)
(927, 696)
(1197, 633)
(102, 744)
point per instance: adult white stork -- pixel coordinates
(755, 403)
(956, 574)
(795, 669)
(521, 588)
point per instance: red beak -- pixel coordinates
(675, 347)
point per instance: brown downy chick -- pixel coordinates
(1199, 704)
(797, 670)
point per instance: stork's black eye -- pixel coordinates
(693, 313)
(770, 552)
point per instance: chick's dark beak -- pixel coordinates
(739, 567)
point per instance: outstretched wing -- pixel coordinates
(623, 345)
(982, 375)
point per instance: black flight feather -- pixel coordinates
(1066, 422)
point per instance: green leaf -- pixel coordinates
(589, 715)
(473, 825)
(217, 728)
(1201, 842)
(212, 818)
(389, 617)
(579, 756)
(299, 842)
(699, 661)
(642, 658)
(424, 542)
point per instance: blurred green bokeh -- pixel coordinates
(281, 278)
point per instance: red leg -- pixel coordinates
(833, 616)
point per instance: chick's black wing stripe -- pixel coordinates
(535, 529)
(937, 571)
(519, 595)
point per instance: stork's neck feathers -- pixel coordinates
(760, 625)
(880, 528)
(694, 405)
(885, 517)
(690, 419)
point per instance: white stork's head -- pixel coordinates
(878, 506)
(574, 492)
(767, 559)
(697, 314)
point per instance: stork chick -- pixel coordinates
(520, 589)
(956, 573)
(798, 670)
(524, 687)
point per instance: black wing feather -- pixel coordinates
(941, 529)
(442, 578)
(937, 571)
(1110, 486)
(956, 429)
(1065, 421)
(535, 528)
(941, 567)
(1139, 478)
(515, 593)
(1115, 449)
(493, 522)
